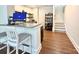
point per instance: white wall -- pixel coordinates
(20, 8)
(39, 13)
(72, 23)
(10, 10)
(59, 14)
(43, 11)
(35, 14)
(3, 14)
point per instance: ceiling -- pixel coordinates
(37, 6)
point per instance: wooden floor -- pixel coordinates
(57, 43)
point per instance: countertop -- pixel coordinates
(28, 25)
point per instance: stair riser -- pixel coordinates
(59, 27)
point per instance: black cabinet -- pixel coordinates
(48, 26)
(49, 21)
(42, 33)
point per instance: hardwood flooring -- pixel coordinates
(57, 43)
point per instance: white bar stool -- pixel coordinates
(16, 40)
(3, 40)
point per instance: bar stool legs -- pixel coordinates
(8, 48)
(17, 49)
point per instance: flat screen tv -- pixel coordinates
(19, 16)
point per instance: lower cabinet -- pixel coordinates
(42, 34)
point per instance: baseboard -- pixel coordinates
(73, 42)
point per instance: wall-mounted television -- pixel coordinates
(19, 16)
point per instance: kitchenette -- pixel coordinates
(25, 19)
(19, 23)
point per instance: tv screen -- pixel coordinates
(19, 16)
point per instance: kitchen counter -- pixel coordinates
(31, 28)
(28, 25)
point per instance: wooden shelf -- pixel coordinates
(49, 21)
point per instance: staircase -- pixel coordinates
(59, 27)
